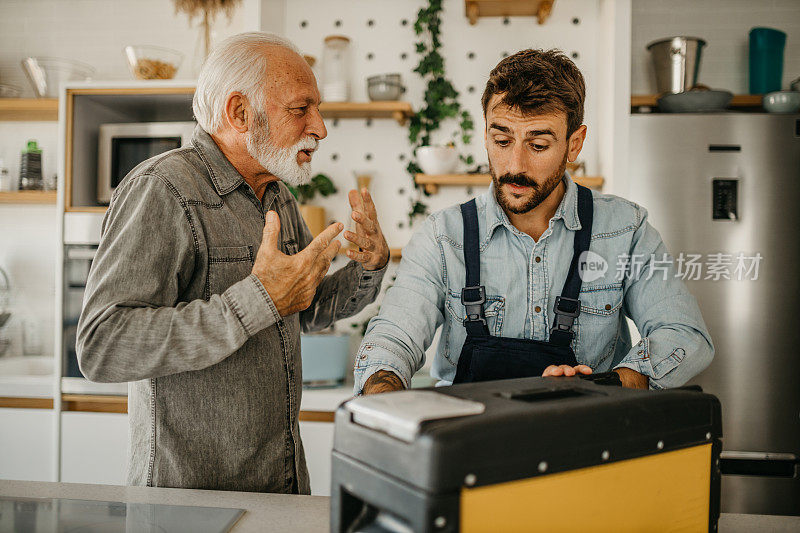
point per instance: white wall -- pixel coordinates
(724, 25)
(95, 32)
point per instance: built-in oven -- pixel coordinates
(77, 262)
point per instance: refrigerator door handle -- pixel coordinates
(759, 464)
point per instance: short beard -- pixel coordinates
(280, 162)
(540, 192)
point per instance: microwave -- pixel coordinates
(123, 146)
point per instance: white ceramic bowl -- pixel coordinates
(782, 102)
(437, 159)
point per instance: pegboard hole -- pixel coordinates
(334, 157)
(404, 56)
(576, 21)
(368, 157)
(338, 23)
(371, 23)
(402, 157)
(504, 55)
(575, 55)
(303, 23)
(471, 89)
(506, 21)
(471, 55)
(370, 56)
(404, 22)
(368, 122)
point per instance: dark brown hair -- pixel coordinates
(539, 81)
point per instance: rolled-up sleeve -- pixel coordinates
(675, 344)
(133, 325)
(410, 313)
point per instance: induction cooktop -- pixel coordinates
(37, 515)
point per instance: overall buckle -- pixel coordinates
(566, 310)
(473, 299)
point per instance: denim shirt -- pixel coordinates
(522, 279)
(171, 306)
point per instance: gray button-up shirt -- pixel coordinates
(171, 306)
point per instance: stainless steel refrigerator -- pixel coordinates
(729, 184)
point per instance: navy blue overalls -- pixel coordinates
(485, 357)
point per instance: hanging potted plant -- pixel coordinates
(314, 215)
(440, 103)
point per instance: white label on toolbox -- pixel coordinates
(400, 414)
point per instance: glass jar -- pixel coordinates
(336, 69)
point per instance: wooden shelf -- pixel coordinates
(28, 197)
(399, 111)
(23, 109)
(739, 100)
(540, 9)
(432, 182)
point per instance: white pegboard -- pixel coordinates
(382, 41)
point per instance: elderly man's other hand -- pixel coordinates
(373, 252)
(291, 280)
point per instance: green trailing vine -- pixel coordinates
(440, 100)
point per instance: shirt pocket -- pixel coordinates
(597, 326)
(228, 265)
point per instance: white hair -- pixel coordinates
(237, 64)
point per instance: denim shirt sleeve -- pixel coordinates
(411, 312)
(675, 344)
(133, 325)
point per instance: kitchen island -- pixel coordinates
(281, 512)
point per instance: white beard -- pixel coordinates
(280, 162)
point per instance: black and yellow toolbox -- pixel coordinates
(531, 454)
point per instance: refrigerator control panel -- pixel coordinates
(725, 199)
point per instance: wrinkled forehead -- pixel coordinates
(288, 75)
(499, 113)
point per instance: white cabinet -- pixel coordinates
(318, 443)
(26, 444)
(94, 448)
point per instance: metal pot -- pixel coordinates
(677, 61)
(384, 87)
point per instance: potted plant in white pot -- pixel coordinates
(314, 215)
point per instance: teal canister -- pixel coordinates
(766, 60)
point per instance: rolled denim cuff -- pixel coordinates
(372, 358)
(252, 305)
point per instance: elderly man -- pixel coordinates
(206, 274)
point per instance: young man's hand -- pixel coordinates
(632, 379)
(382, 381)
(566, 370)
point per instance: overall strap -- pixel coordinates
(473, 295)
(568, 306)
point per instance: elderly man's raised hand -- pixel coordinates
(291, 280)
(372, 252)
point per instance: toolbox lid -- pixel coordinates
(401, 415)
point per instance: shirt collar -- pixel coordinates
(567, 210)
(223, 174)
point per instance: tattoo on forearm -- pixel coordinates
(383, 381)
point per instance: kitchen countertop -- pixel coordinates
(281, 512)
